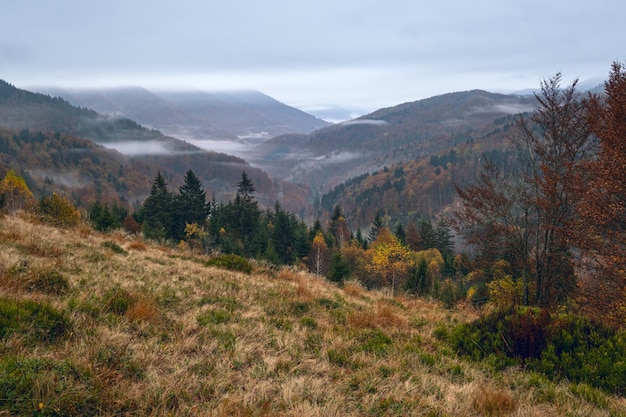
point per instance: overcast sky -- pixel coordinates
(307, 53)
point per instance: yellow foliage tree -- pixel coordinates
(390, 260)
(15, 194)
(319, 255)
(58, 210)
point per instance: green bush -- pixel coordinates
(586, 352)
(231, 262)
(36, 322)
(564, 347)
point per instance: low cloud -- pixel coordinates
(372, 122)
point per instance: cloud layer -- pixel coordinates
(307, 52)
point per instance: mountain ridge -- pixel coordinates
(197, 114)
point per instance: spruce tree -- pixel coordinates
(157, 210)
(376, 226)
(191, 205)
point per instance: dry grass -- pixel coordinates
(353, 288)
(137, 245)
(201, 341)
(493, 402)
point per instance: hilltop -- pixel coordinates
(112, 325)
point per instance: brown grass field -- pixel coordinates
(152, 331)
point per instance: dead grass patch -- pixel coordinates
(84, 230)
(143, 310)
(137, 245)
(491, 401)
(353, 288)
(286, 274)
(303, 291)
(383, 317)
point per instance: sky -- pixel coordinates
(310, 53)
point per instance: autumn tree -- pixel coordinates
(603, 206)
(15, 194)
(524, 214)
(319, 255)
(390, 259)
(58, 210)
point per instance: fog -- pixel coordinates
(135, 148)
(364, 122)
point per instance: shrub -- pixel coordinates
(58, 211)
(231, 262)
(37, 322)
(48, 281)
(583, 351)
(566, 347)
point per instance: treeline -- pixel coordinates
(418, 259)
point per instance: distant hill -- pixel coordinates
(244, 115)
(42, 137)
(330, 156)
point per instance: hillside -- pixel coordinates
(52, 126)
(110, 325)
(229, 115)
(329, 156)
(419, 188)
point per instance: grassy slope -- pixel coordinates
(196, 340)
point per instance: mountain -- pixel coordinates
(329, 156)
(55, 145)
(244, 115)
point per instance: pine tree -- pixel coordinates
(191, 205)
(400, 234)
(376, 226)
(245, 188)
(443, 238)
(339, 268)
(157, 210)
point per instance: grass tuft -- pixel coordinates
(493, 402)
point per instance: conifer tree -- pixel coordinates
(191, 205)
(157, 210)
(376, 226)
